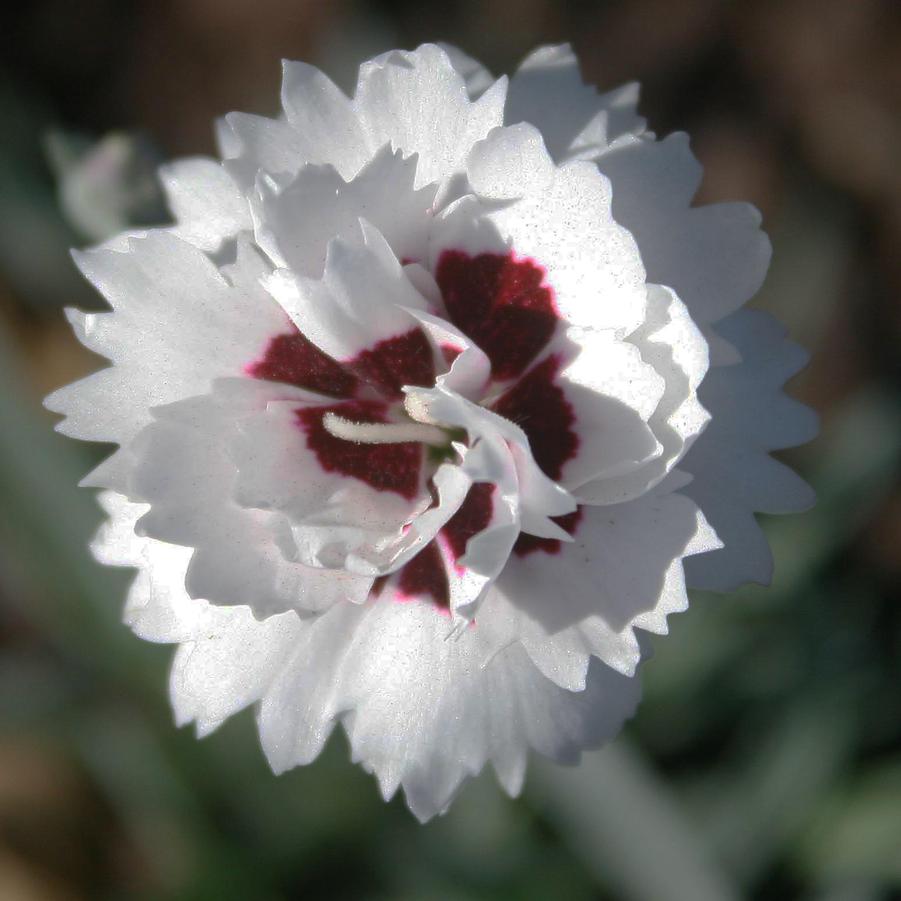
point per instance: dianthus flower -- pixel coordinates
(422, 405)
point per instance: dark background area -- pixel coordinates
(765, 761)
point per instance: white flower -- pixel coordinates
(421, 406)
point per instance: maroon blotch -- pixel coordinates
(385, 467)
(473, 516)
(501, 303)
(295, 360)
(425, 575)
(402, 360)
(540, 408)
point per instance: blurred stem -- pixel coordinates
(617, 816)
(777, 782)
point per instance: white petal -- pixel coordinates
(254, 143)
(470, 370)
(547, 90)
(622, 570)
(238, 557)
(398, 684)
(613, 394)
(664, 175)
(324, 119)
(359, 301)
(478, 79)
(487, 553)
(157, 607)
(564, 225)
(226, 658)
(418, 103)
(176, 325)
(229, 666)
(320, 127)
(539, 496)
(464, 225)
(451, 484)
(510, 163)
(471, 575)
(388, 671)
(334, 517)
(733, 474)
(294, 225)
(207, 204)
(676, 349)
(714, 257)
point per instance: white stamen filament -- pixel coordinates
(383, 432)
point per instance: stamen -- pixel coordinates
(383, 432)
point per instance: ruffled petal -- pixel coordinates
(208, 205)
(323, 116)
(560, 219)
(469, 538)
(714, 257)
(319, 127)
(734, 476)
(205, 684)
(338, 497)
(361, 299)
(585, 408)
(470, 368)
(388, 672)
(254, 144)
(539, 497)
(226, 658)
(157, 608)
(239, 552)
(547, 91)
(417, 101)
(176, 325)
(622, 570)
(385, 670)
(476, 76)
(294, 225)
(677, 351)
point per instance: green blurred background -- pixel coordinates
(765, 761)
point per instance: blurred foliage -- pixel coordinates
(765, 761)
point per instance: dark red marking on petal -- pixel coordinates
(450, 352)
(385, 467)
(402, 360)
(528, 544)
(473, 516)
(425, 575)
(294, 359)
(540, 408)
(501, 303)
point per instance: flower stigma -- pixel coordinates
(384, 432)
